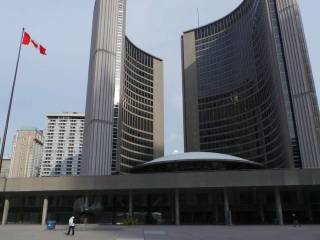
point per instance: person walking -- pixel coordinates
(71, 225)
(295, 220)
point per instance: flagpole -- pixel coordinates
(198, 17)
(10, 104)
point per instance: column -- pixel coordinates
(308, 207)
(44, 211)
(177, 206)
(227, 211)
(86, 207)
(130, 204)
(86, 202)
(262, 216)
(216, 214)
(278, 206)
(5, 211)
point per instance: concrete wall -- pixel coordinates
(97, 154)
(265, 178)
(158, 110)
(305, 104)
(190, 94)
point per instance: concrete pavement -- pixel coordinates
(34, 232)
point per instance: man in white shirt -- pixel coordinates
(71, 225)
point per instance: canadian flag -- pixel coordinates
(26, 40)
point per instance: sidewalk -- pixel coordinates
(105, 232)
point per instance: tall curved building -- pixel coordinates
(124, 111)
(108, 31)
(248, 87)
(141, 116)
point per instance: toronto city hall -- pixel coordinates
(251, 129)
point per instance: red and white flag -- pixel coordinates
(27, 40)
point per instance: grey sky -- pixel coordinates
(58, 81)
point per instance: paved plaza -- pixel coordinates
(23, 232)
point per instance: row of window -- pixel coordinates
(224, 23)
(138, 55)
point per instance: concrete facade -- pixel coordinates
(158, 109)
(27, 153)
(190, 94)
(304, 98)
(107, 30)
(191, 180)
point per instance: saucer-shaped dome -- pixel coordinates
(196, 161)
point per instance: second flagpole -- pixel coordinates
(10, 104)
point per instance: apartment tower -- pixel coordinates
(27, 154)
(63, 140)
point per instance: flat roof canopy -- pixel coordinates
(187, 180)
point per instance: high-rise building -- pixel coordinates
(126, 81)
(141, 108)
(63, 140)
(27, 153)
(5, 167)
(108, 30)
(248, 88)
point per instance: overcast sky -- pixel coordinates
(58, 82)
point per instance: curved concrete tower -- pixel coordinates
(141, 119)
(248, 89)
(105, 61)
